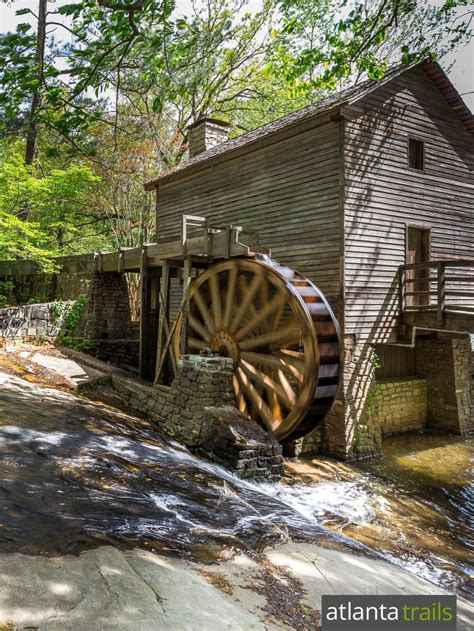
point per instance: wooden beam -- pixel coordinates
(186, 284)
(169, 339)
(143, 309)
(163, 318)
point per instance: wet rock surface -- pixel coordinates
(74, 473)
(199, 411)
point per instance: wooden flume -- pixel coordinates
(281, 335)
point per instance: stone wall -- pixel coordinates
(199, 411)
(472, 388)
(400, 405)
(30, 322)
(48, 287)
(108, 314)
(350, 431)
(445, 363)
(123, 353)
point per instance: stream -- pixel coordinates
(415, 505)
(75, 474)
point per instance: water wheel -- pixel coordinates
(281, 334)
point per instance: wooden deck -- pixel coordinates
(438, 295)
(200, 242)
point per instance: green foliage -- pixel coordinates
(120, 81)
(69, 316)
(321, 42)
(36, 300)
(75, 314)
(59, 208)
(6, 287)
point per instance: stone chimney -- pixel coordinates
(205, 134)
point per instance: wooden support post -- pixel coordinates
(143, 309)
(163, 317)
(121, 261)
(228, 235)
(401, 291)
(207, 238)
(186, 284)
(166, 348)
(99, 262)
(441, 292)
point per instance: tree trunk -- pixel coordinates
(32, 133)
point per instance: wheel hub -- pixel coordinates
(224, 343)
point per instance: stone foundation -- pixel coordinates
(107, 315)
(199, 411)
(445, 363)
(118, 352)
(350, 431)
(400, 405)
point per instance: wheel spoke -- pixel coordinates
(216, 300)
(229, 302)
(199, 328)
(242, 405)
(287, 388)
(196, 344)
(247, 299)
(273, 401)
(276, 407)
(296, 367)
(286, 396)
(262, 315)
(206, 316)
(257, 401)
(275, 321)
(280, 338)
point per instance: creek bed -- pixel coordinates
(76, 474)
(415, 505)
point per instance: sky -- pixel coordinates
(458, 65)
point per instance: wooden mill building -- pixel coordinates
(369, 194)
(349, 191)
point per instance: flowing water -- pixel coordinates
(74, 474)
(415, 505)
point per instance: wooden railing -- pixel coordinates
(445, 286)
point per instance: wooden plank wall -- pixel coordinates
(395, 361)
(288, 192)
(383, 195)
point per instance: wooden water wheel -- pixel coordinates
(281, 334)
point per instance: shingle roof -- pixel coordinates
(335, 101)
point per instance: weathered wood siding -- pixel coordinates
(383, 196)
(288, 192)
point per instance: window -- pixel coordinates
(416, 154)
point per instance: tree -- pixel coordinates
(321, 42)
(110, 102)
(63, 208)
(36, 97)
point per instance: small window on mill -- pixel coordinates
(416, 154)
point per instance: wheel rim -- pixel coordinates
(262, 315)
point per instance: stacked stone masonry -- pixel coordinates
(108, 310)
(205, 135)
(400, 405)
(122, 353)
(199, 411)
(445, 362)
(30, 322)
(350, 431)
(48, 287)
